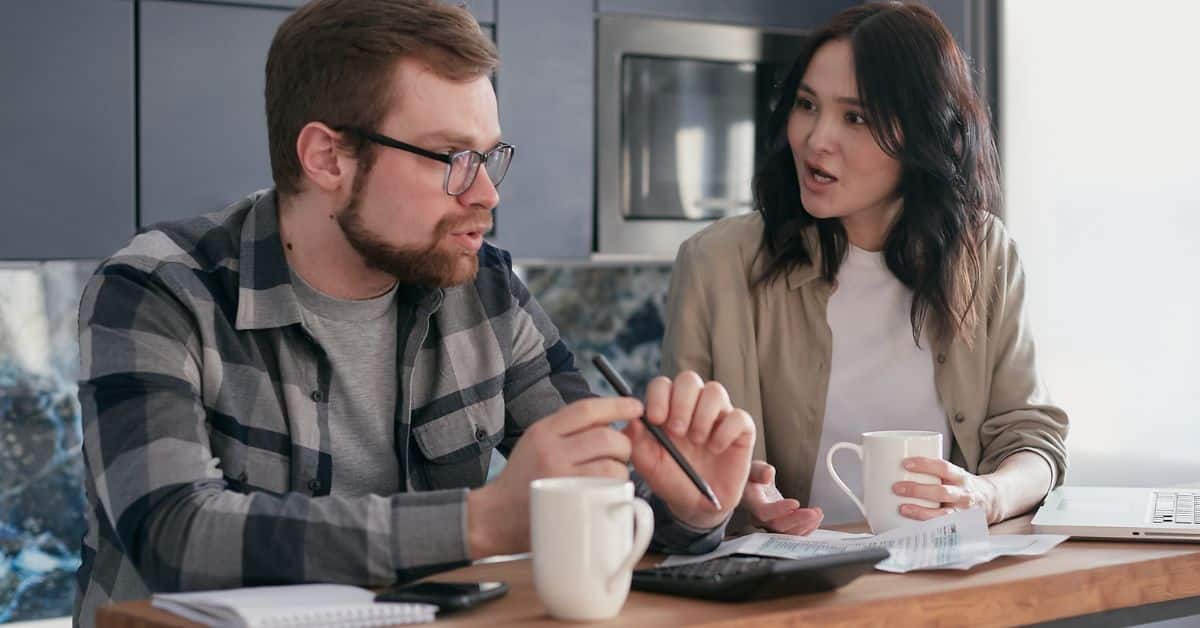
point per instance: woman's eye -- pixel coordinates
(855, 118)
(805, 104)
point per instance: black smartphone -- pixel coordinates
(449, 597)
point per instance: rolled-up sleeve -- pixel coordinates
(1021, 415)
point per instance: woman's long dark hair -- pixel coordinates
(921, 106)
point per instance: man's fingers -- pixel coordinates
(714, 400)
(734, 427)
(596, 443)
(603, 468)
(685, 390)
(658, 400)
(596, 411)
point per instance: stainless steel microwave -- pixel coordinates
(679, 112)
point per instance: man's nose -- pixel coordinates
(482, 193)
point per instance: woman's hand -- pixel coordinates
(959, 490)
(768, 508)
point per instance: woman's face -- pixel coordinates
(842, 170)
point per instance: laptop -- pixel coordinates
(1137, 514)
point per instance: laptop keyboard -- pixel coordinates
(1176, 507)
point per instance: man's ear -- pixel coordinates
(324, 162)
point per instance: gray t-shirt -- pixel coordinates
(359, 338)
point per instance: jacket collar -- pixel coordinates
(802, 274)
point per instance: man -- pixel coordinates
(308, 385)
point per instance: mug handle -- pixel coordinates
(837, 480)
(643, 528)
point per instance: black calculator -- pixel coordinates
(739, 577)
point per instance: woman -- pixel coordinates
(872, 288)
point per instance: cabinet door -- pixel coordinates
(974, 24)
(483, 10)
(66, 116)
(203, 122)
(203, 130)
(804, 14)
(545, 87)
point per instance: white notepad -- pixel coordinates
(296, 605)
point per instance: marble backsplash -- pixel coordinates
(612, 310)
(617, 311)
(41, 489)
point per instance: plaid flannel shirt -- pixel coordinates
(206, 424)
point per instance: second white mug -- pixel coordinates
(882, 454)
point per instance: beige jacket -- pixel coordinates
(771, 349)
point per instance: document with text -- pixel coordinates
(959, 540)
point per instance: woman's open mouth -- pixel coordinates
(816, 179)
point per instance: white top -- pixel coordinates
(879, 379)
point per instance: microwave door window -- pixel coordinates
(687, 137)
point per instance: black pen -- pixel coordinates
(618, 383)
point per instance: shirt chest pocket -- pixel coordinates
(246, 468)
(455, 449)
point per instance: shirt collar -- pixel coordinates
(801, 274)
(266, 297)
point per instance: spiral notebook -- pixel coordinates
(297, 605)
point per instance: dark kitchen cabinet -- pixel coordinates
(975, 25)
(203, 132)
(483, 10)
(67, 117)
(545, 89)
(805, 14)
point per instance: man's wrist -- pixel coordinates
(706, 523)
(480, 543)
(698, 521)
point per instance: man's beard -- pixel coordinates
(429, 267)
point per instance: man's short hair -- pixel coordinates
(332, 61)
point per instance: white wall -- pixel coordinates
(1101, 146)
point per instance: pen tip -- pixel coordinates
(712, 497)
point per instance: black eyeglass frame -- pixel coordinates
(446, 158)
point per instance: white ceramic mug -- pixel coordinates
(882, 455)
(587, 534)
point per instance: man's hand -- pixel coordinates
(575, 441)
(716, 439)
(768, 509)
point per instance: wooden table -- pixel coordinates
(1128, 582)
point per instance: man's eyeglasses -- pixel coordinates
(462, 166)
